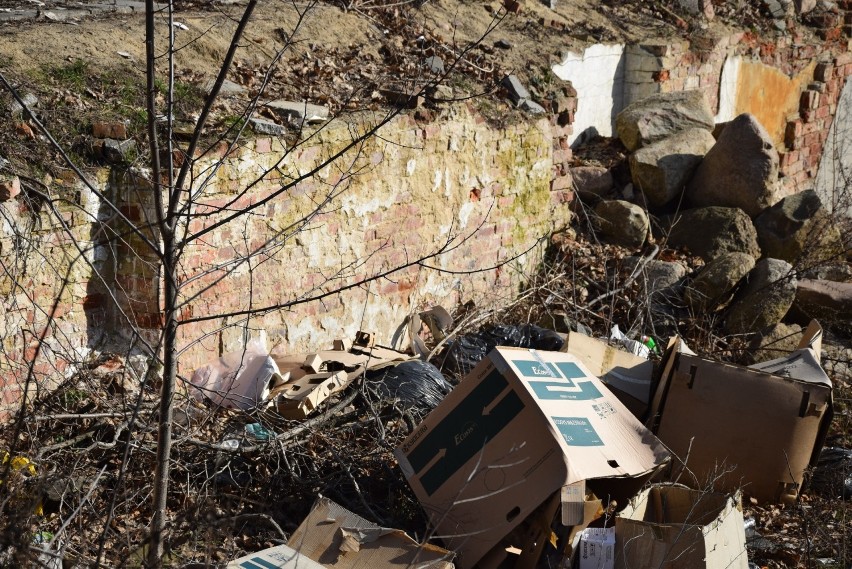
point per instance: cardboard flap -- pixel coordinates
(597, 432)
(279, 557)
(812, 338)
(619, 369)
(802, 365)
(339, 539)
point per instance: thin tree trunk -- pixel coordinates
(167, 393)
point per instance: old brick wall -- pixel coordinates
(485, 194)
(790, 83)
(49, 310)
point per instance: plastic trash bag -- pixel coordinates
(833, 473)
(416, 383)
(462, 355)
(241, 379)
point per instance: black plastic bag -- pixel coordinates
(462, 355)
(416, 383)
(833, 473)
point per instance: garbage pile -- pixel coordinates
(553, 450)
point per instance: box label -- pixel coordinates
(577, 431)
(488, 408)
(561, 387)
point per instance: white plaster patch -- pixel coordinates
(355, 204)
(411, 166)
(464, 214)
(728, 89)
(437, 180)
(448, 184)
(598, 76)
(832, 182)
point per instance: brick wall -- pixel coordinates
(49, 310)
(398, 197)
(790, 82)
(490, 192)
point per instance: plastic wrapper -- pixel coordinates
(833, 474)
(462, 355)
(416, 383)
(241, 379)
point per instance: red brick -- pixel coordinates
(561, 183)
(809, 100)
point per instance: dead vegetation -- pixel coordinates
(244, 480)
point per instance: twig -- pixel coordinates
(78, 508)
(636, 271)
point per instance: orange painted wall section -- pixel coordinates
(771, 95)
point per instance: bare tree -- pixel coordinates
(177, 175)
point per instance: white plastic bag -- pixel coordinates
(241, 379)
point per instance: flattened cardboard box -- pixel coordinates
(520, 426)
(756, 428)
(672, 527)
(339, 539)
(627, 375)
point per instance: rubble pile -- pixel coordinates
(494, 455)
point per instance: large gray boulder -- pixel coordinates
(716, 282)
(765, 300)
(595, 180)
(741, 170)
(797, 224)
(775, 342)
(622, 223)
(662, 115)
(661, 169)
(713, 231)
(824, 300)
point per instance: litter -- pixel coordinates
(339, 539)
(629, 377)
(673, 527)
(522, 425)
(597, 548)
(833, 473)
(415, 383)
(462, 354)
(242, 379)
(758, 428)
(636, 348)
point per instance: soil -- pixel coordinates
(340, 54)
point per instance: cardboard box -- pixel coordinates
(597, 548)
(336, 538)
(279, 557)
(519, 427)
(757, 428)
(627, 375)
(673, 527)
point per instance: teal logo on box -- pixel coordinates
(577, 431)
(559, 384)
(535, 369)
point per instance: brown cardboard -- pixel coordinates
(300, 398)
(338, 539)
(673, 527)
(758, 428)
(278, 557)
(627, 375)
(520, 426)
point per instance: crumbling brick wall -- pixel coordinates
(485, 190)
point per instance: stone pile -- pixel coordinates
(714, 191)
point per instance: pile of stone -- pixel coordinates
(713, 190)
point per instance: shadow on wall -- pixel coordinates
(122, 301)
